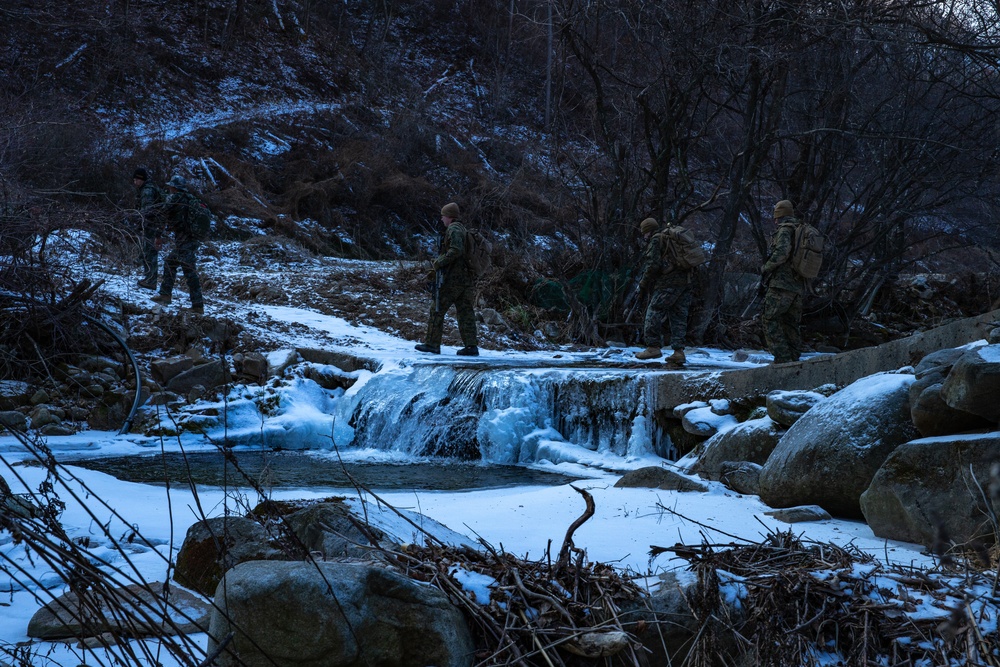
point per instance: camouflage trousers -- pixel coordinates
(149, 255)
(668, 304)
(184, 256)
(462, 296)
(782, 314)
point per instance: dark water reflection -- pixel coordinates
(297, 470)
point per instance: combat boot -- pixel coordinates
(424, 347)
(468, 351)
(198, 309)
(677, 358)
(649, 353)
(161, 298)
(148, 284)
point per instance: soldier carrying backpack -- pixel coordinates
(454, 276)
(670, 257)
(189, 219)
(795, 257)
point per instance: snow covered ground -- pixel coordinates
(523, 520)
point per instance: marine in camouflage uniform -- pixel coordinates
(783, 298)
(670, 297)
(185, 252)
(149, 204)
(455, 285)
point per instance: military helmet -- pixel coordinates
(141, 173)
(451, 210)
(648, 226)
(783, 208)
(177, 181)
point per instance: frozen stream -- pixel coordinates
(503, 415)
(280, 470)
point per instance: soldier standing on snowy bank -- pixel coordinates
(784, 285)
(149, 204)
(454, 283)
(669, 288)
(180, 213)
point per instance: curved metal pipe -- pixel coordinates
(135, 369)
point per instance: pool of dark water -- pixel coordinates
(271, 470)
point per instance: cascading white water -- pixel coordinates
(504, 415)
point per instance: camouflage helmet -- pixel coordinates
(451, 210)
(177, 181)
(141, 173)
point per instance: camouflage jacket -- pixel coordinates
(657, 271)
(451, 261)
(149, 203)
(778, 271)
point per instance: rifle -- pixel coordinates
(761, 291)
(632, 302)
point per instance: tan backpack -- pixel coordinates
(807, 251)
(681, 249)
(478, 251)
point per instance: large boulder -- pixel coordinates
(208, 375)
(973, 383)
(830, 455)
(136, 610)
(706, 422)
(655, 477)
(940, 361)
(932, 416)
(214, 545)
(14, 394)
(331, 528)
(935, 490)
(325, 614)
(164, 370)
(751, 441)
(13, 420)
(786, 407)
(741, 476)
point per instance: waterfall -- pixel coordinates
(505, 415)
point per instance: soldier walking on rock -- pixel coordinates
(179, 213)
(455, 284)
(669, 287)
(784, 289)
(149, 204)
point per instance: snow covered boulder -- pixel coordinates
(704, 422)
(973, 384)
(134, 611)
(830, 455)
(279, 360)
(785, 407)
(323, 614)
(800, 514)
(935, 490)
(752, 441)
